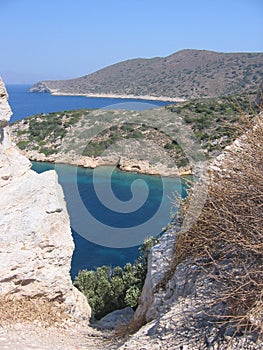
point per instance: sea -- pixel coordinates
(111, 212)
(25, 103)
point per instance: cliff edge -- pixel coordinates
(36, 244)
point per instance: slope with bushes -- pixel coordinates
(184, 74)
(90, 133)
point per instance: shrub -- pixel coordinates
(182, 162)
(47, 151)
(134, 135)
(22, 144)
(109, 289)
(169, 146)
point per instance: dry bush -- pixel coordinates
(13, 309)
(228, 235)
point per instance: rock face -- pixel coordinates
(36, 244)
(145, 167)
(158, 266)
(182, 303)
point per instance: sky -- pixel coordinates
(62, 39)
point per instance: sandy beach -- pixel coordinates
(146, 97)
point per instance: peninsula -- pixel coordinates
(183, 75)
(166, 141)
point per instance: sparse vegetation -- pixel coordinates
(215, 123)
(22, 144)
(227, 238)
(25, 310)
(198, 74)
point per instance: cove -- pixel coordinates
(92, 248)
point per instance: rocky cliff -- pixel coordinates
(204, 284)
(36, 244)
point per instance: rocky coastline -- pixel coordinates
(121, 163)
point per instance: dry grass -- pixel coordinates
(25, 310)
(228, 235)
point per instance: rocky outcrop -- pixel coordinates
(181, 312)
(145, 167)
(159, 261)
(36, 244)
(42, 87)
(183, 302)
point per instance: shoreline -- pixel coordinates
(135, 97)
(127, 165)
(180, 173)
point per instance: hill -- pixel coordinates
(184, 74)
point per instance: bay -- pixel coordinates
(89, 254)
(95, 248)
(24, 103)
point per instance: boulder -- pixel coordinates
(115, 319)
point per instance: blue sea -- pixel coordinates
(111, 212)
(25, 103)
(93, 244)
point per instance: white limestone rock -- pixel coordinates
(179, 303)
(158, 265)
(36, 244)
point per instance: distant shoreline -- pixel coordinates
(140, 97)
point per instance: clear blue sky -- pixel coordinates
(59, 39)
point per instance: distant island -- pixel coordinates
(185, 74)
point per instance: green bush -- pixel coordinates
(169, 146)
(47, 151)
(108, 289)
(22, 144)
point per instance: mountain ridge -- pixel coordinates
(185, 74)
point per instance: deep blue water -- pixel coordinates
(91, 247)
(104, 233)
(25, 103)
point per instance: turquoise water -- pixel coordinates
(25, 103)
(95, 248)
(107, 226)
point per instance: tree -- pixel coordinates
(110, 289)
